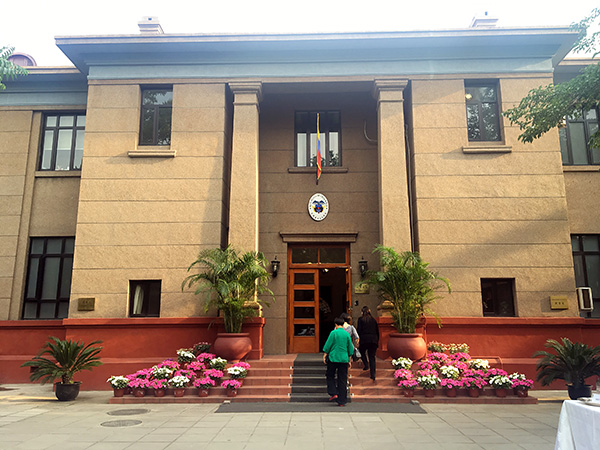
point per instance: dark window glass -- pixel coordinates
(497, 295)
(586, 264)
(304, 330)
(304, 278)
(333, 255)
(329, 136)
(304, 296)
(62, 142)
(144, 298)
(483, 112)
(304, 312)
(574, 138)
(48, 278)
(304, 255)
(155, 123)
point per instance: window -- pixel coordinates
(144, 298)
(497, 295)
(62, 141)
(574, 139)
(586, 262)
(306, 138)
(155, 124)
(483, 112)
(48, 283)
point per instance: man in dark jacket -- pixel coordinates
(338, 350)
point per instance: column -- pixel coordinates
(394, 199)
(243, 207)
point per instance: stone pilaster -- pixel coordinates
(243, 216)
(394, 212)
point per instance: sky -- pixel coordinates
(31, 25)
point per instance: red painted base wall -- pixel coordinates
(129, 344)
(132, 344)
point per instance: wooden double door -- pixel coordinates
(318, 292)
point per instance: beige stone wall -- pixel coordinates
(490, 215)
(284, 196)
(33, 203)
(584, 203)
(15, 136)
(145, 217)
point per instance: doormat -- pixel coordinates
(320, 407)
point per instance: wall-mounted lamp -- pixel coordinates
(363, 266)
(275, 267)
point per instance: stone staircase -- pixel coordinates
(301, 378)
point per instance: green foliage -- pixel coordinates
(572, 362)
(406, 281)
(7, 68)
(230, 281)
(69, 357)
(546, 107)
(587, 43)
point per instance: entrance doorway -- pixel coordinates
(318, 292)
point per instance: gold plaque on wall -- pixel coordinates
(86, 304)
(361, 288)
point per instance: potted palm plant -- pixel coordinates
(573, 362)
(233, 283)
(407, 283)
(68, 358)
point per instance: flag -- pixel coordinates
(319, 168)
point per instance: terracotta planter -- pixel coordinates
(500, 392)
(473, 392)
(408, 392)
(407, 345)
(203, 392)
(429, 392)
(66, 392)
(522, 392)
(178, 392)
(232, 346)
(231, 392)
(139, 392)
(118, 392)
(159, 392)
(450, 392)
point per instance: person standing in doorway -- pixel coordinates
(352, 332)
(368, 331)
(337, 352)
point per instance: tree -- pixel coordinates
(546, 107)
(7, 68)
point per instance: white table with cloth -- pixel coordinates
(578, 426)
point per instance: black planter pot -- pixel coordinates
(66, 392)
(580, 390)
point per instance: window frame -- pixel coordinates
(498, 108)
(39, 283)
(156, 115)
(54, 150)
(496, 299)
(583, 253)
(325, 128)
(586, 131)
(148, 287)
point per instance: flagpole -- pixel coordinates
(319, 168)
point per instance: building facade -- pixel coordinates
(118, 171)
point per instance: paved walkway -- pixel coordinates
(31, 418)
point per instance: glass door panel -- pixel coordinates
(303, 324)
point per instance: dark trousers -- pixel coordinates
(367, 352)
(337, 385)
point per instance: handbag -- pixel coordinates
(356, 356)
